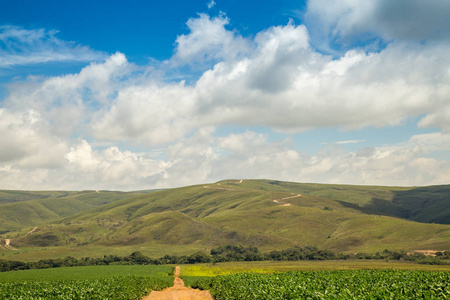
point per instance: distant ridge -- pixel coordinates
(268, 214)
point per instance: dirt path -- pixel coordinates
(8, 246)
(179, 292)
(31, 231)
(280, 201)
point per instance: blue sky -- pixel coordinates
(147, 94)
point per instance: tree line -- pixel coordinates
(229, 253)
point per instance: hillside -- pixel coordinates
(19, 209)
(267, 214)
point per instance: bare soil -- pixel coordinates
(31, 231)
(427, 252)
(179, 292)
(281, 200)
(8, 245)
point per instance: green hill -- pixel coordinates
(267, 214)
(19, 209)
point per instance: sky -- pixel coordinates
(131, 95)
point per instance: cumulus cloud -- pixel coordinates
(347, 22)
(206, 157)
(66, 101)
(112, 168)
(19, 47)
(312, 90)
(440, 118)
(208, 40)
(153, 114)
(276, 80)
(27, 140)
(282, 84)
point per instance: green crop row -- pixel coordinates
(123, 287)
(361, 284)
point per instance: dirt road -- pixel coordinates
(179, 292)
(31, 231)
(280, 201)
(7, 245)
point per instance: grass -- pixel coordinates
(181, 221)
(88, 272)
(20, 209)
(152, 250)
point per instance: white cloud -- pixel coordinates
(282, 83)
(431, 142)
(350, 21)
(82, 157)
(274, 80)
(152, 114)
(204, 157)
(207, 41)
(301, 89)
(66, 101)
(211, 4)
(27, 140)
(24, 47)
(440, 118)
(349, 142)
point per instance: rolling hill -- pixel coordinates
(19, 209)
(263, 213)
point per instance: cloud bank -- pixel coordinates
(115, 125)
(348, 22)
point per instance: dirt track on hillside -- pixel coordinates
(8, 245)
(280, 201)
(31, 231)
(179, 292)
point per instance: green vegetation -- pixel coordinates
(191, 273)
(19, 209)
(95, 282)
(88, 272)
(11, 196)
(127, 288)
(363, 284)
(225, 254)
(269, 215)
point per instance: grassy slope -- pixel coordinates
(27, 209)
(11, 196)
(422, 204)
(183, 220)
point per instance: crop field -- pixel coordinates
(267, 267)
(320, 280)
(341, 284)
(98, 282)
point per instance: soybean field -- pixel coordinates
(343, 284)
(104, 282)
